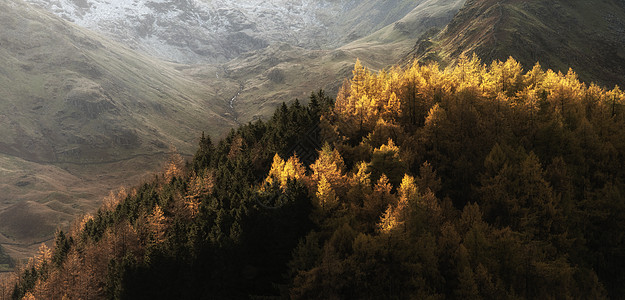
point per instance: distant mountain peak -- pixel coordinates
(191, 31)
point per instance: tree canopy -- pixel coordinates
(476, 181)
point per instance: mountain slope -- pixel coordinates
(77, 108)
(217, 31)
(5, 261)
(588, 36)
(282, 72)
(88, 94)
(82, 115)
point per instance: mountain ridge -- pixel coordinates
(193, 31)
(586, 36)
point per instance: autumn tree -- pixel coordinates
(157, 223)
(283, 171)
(386, 160)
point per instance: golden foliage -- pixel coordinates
(362, 175)
(389, 220)
(421, 93)
(44, 255)
(114, 199)
(7, 282)
(329, 165)
(383, 186)
(283, 171)
(388, 148)
(81, 224)
(157, 223)
(407, 189)
(325, 194)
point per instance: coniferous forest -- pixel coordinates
(473, 181)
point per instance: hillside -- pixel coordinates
(82, 114)
(6, 263)
(78, 112)
(588, 36)
(282, 72)
(476, 181)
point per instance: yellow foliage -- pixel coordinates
(174, 167)
(198, 186)
(389, 220)
(283, 171)
(114, 199)
(407, 189)
(325, 194)
(44, 255)
(330, 165)
(383, 186)
(391, 110)
(389, 147)
(362, 176)
(29, 296)
(410, 96)
(276, 169)
(157, 225)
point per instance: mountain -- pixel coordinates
(82, 115)
(78, 108)
(588, 36)
(282, 72)
(192, 31)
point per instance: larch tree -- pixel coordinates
(386, 160)
(330, 165)
(157, 223)
(326, 195)
(283, 171)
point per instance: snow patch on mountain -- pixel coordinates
(205, 30)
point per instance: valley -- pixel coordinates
(85, 113)
(312, 149)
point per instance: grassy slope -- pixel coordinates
(588, 36)
(80, 115)
(5, 261)
(57, 77)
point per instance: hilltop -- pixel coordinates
(588, 36)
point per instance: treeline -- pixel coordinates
(6, 263)
(471, 182)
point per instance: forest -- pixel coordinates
(476, 181)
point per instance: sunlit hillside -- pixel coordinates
(588, 36)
